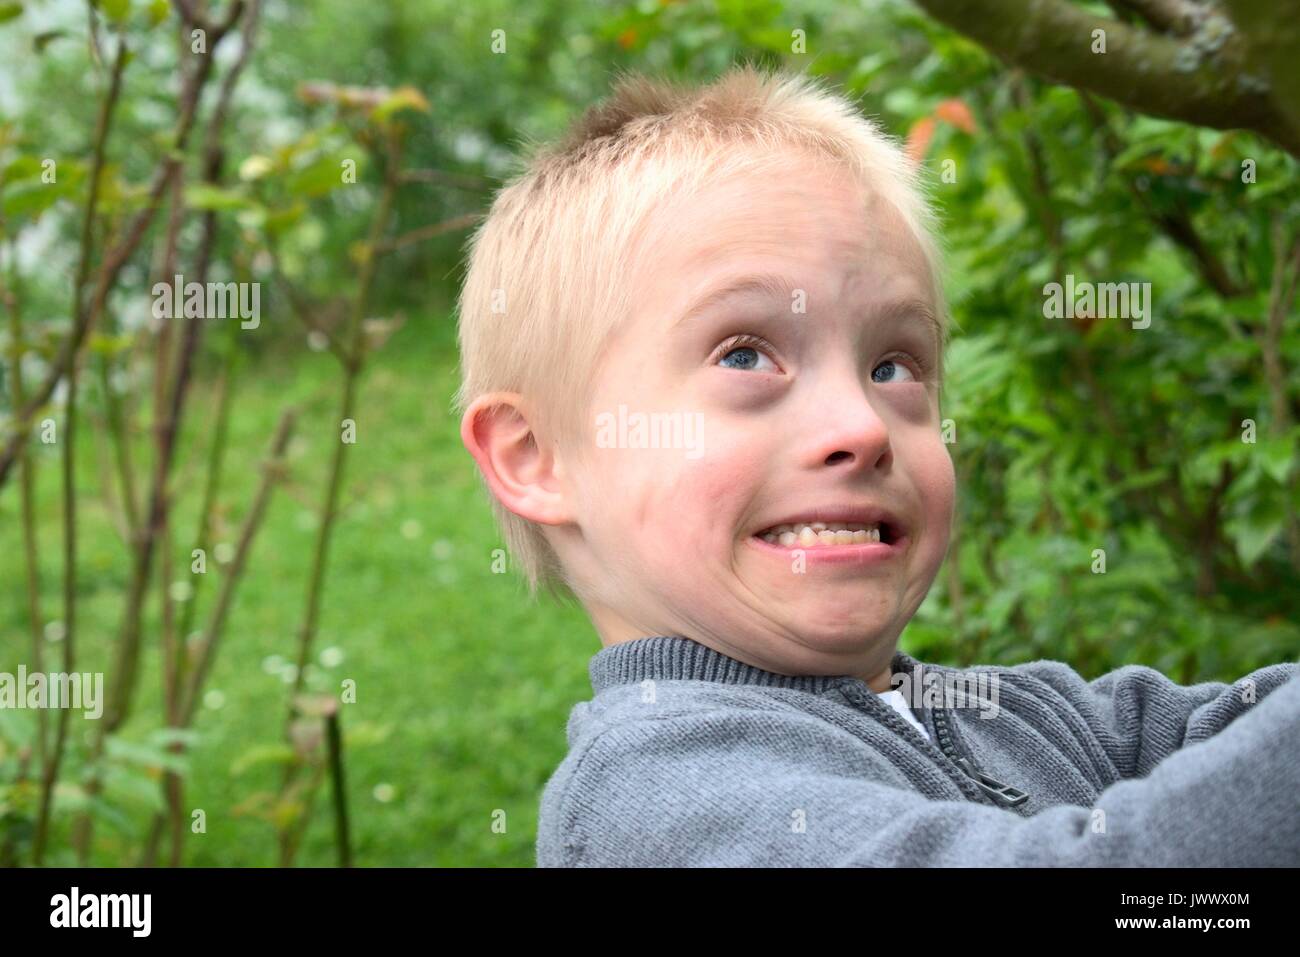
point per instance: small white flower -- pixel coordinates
(254, 167)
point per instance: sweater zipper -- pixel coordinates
(1004, 795)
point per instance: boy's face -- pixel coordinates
(840, 411)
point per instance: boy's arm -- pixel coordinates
(770, 789)
(1142, 717)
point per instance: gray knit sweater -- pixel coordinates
(687, 757)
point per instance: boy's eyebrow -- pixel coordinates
(766, 284)
(902, 309)
(779, 287)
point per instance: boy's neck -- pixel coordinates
(880, 682)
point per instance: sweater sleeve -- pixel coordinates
(748, 788)
(1141, 716)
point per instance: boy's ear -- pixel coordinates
(523, 477)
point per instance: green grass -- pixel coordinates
(463, 687)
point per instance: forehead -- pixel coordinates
(818, 227)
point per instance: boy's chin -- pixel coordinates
(851, 632)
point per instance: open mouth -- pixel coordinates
(828, 534)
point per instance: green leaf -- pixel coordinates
(403, 98)
(145, 755)
(125, 786)
(1204, 467)
(976, 365)
(366, 733)
(322, 175)
(116, 10)
(262, 754)
(905, 102)
(10, 11)
(186, 737)
(30, 200)
(103, 811)
(109, 346)
(1276, 456)
(23, 167)
(1254, 534)
(72, 799)
(203, 196)
(280, 220)
(253, 218)
(16, 728)
(42, 40)
(1139, 480)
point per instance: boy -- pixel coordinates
(702, 345)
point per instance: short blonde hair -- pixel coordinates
(539, 302)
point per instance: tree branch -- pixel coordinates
(1272, 31)
(84, 318)
(103, 125)
(1168, 16)
(428, 232)
(1150, 72)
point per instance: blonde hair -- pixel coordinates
(541, 295)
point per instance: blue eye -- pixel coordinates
(748, 358)
(889, 371)
(747, 352)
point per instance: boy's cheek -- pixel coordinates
(936, 481)
(654, 494)
(684, 506)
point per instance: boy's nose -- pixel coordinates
(852, 433)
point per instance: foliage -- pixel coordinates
(1168, 453)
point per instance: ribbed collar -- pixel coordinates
(668, 657)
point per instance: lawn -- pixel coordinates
(462, 686)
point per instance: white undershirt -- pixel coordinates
(895, 699)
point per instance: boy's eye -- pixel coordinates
(745, 353)
(891, 371)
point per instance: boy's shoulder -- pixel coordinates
(635, 749)
(678, 743)
(663, 700)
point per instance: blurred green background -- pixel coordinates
(1071, 435)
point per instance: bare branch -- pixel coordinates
(84, 318)
(442, 177)
(103, 125)
(302, 306)
(212, 633)
(430, 231)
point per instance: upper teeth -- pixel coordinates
(822, 533)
